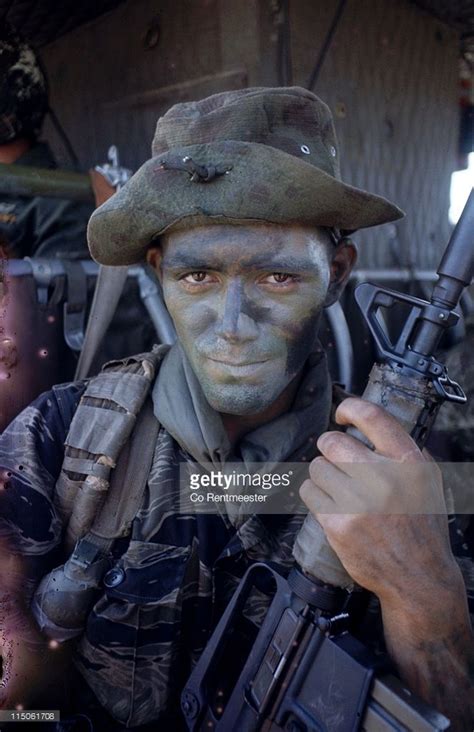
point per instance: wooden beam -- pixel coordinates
(183, 91)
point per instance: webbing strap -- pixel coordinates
(129, 478)
(76, 305)
(99, 431)
(125, 389)
(86, 467)
(109, 287)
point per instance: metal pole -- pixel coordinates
(22, 180)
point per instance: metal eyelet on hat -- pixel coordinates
(305, 149)
(333, 151)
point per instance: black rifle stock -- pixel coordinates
(302, 670)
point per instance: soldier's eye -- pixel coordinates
(196, 277)
(280, 278)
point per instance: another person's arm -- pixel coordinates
(33, 668)
(31, 454)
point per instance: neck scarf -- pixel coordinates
(182, 409)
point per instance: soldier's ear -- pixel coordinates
(343, 259)
(154, 257)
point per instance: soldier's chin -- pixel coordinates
(240, 400)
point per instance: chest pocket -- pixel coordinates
(132, 642)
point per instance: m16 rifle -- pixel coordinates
(303, 670)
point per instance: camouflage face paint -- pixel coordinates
(246, 303)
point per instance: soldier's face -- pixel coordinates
(246, 303)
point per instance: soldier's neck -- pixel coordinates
(11, 151)
(238, 425)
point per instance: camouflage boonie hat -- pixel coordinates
(23, 88)
(255, 155)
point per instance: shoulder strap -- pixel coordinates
(134, 465)
(124, 497)
(100, 428)
(109, 287)
(64, 596)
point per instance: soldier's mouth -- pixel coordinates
(237, 364)
(237, 369)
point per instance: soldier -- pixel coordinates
(31, 226)
(241, 210)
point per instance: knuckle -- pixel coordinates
(330, 441)
(306, 490)
(371, 412)
(315, 467)
(338, 527)
(346, 525)
(326, 521)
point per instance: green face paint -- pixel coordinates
(246, 303)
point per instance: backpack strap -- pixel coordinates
(133, 468)
(100, 429)
(91, 556)
(64, 596)
(108, 289)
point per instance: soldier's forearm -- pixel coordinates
(433, 648)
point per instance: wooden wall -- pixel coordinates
(390, 78)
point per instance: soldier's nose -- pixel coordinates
(234, 324)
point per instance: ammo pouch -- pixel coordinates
(108, 456)
(65, 596)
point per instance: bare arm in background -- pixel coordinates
(33, 669)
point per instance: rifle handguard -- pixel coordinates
(414, 402)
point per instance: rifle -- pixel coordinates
(303, 670)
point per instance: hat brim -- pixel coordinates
(262, 185)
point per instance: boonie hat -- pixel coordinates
(262, 155)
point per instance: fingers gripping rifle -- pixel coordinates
(302, 670)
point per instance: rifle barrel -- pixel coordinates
(455, 273)
(456, 268)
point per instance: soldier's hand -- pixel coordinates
(383, 511)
